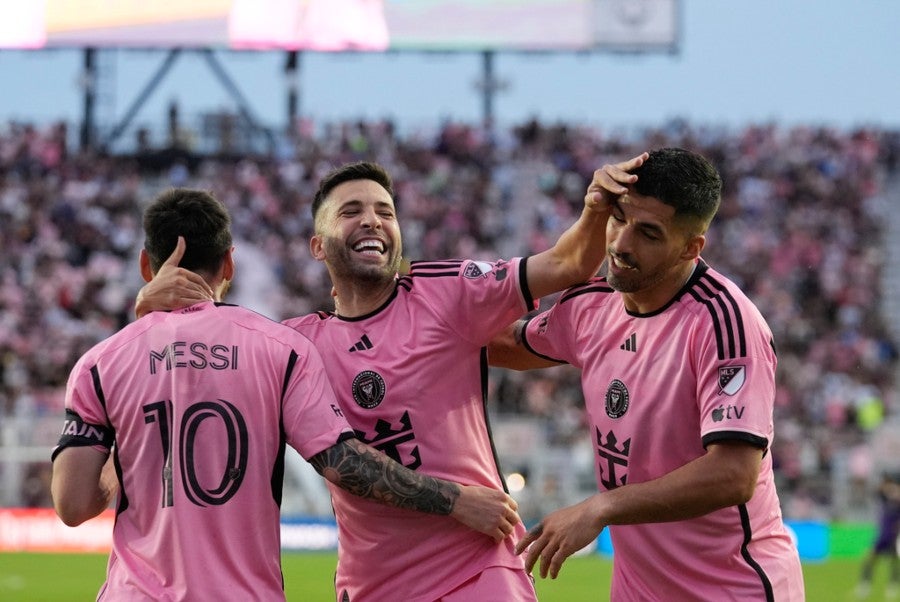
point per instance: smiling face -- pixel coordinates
(357, 235)
(649, 254)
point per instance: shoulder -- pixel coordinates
(727, 314)
(258, 324)
(313, 319)
(709, 290)
(471, 269)
(594, 291)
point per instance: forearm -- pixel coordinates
(363, 471)
(709, 483)
(507, 350)
(576, 256)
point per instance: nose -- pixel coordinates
(370, 219)
(619, 241)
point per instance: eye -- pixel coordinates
(651, 235)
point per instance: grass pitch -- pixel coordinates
(26, 577)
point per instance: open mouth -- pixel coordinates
(369, 246)
(619, 264)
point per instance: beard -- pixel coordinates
(342, 263)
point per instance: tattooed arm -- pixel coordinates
(364, 471)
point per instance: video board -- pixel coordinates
(338, 25)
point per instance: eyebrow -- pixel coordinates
(642, 225)
(355, 203)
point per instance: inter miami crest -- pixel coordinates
(731, 379)
(368, 389)
(616, 399)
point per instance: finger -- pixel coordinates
(175, 258)
(556, 565)
(636, 161)
(546, 559)
(531, 558)
(531, 536)
(513, 517)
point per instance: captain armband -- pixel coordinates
(78, 433)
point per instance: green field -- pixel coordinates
(308, 577)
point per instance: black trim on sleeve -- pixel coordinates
(754, 440)
(523, 283)
(346, 436)
(531, 349)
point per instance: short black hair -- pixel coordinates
(196, 215)
(682, 179)
(362, 170)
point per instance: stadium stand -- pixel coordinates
(802, 229)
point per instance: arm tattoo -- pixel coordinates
(361, 470)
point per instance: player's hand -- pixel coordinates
(610, 182)
(559, 535)
(489, 511)
(172, 287)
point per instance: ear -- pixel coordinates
(317, 247)
(146, 272)
(228, 265)
(693, 247)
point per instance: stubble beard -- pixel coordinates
(345, 266)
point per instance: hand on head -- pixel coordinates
(610, 182)
(172, 287)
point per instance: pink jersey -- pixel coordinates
(411, 378)
(659, 387)
(200, 403)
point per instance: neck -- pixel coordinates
(661, 293)
(355, 300)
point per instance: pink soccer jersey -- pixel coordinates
(659, 387)
(199, 404)
(411, 379)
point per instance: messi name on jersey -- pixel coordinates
(197, 355)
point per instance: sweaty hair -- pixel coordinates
(196, 215)
(684, 180)
(350, 172)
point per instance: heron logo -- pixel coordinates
(368, 389)
(616, 399)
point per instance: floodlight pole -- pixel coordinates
(89, 83)
(292, 81)
(490, 89)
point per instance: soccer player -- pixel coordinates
(406, 356)
(886, 543)
(678, 372)
(196, 407)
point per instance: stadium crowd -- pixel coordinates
(799, 230)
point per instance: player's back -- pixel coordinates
(195, 398)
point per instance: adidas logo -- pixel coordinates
(630, 343)
(361, 345)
